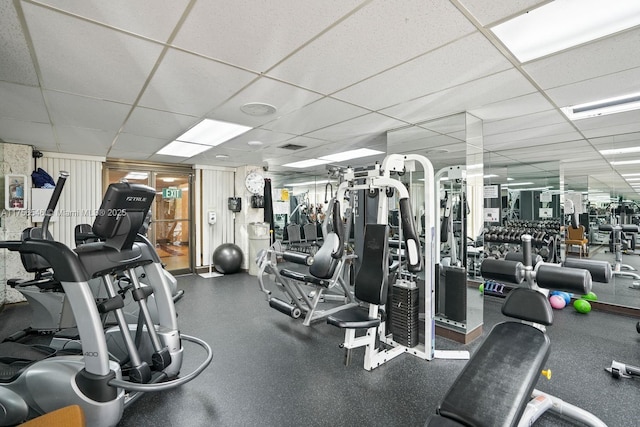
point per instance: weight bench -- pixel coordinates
(496, 387)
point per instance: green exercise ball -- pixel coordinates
(481, 288)
(590, 296)
(582, 306)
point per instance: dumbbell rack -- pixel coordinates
(545, 238)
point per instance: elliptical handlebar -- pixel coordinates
(53, 202)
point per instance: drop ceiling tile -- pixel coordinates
(317, 115)
(301, 154)
(284, 97)
(512, 124)
(489, 12)
(79, 111)
(599, 58)
(519, 106)
(611, 85)
(609, 121)
(615, 141)
(473, 95)
(17, 66)
(70, 60)
(160, 16)
(137, 143)
(30, 133)
(532, 137)
(266, 137)
(22, 103)
(87, 140)
(612, 130)
(262, 36)
(128, 155)
(188, 84)
(372, 40)
(158, 124)
(369, 124)
(469, 58)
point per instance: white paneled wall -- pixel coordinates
(215, 186)
(82, 193)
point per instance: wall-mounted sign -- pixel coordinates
(171, 193)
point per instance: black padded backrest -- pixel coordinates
(324, 264)
(33, 263)
(528, 304)
(310, 232)
(293, 230)
(495, 385)
(122, 213)
(371, 281)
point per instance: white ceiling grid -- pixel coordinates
(123, 78)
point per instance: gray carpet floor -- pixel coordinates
(270, 370)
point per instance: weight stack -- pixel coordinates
(405, 309)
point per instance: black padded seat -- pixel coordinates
(495, 386)
(305, 278)
(353, 318)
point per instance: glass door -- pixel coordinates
(171, 220)
(170, 230)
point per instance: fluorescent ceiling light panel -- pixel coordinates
(491, 175)
(624, 162)
(301, 184)
(513, 184)
(562, 24)
(620, 151)
(603, 107)
(182, 149)
(307, 163)
(137, 175)
(351, 154)
(633, 179)
(212, 132)
(631, 174)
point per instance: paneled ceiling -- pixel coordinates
(122, 78)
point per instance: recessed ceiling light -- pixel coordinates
(212, 132)
(351, 154)
(562, 24)
(168, 179)
(255, 143)
(625, 162)
(620, 151)
(137, 175)
(631, 174)
(491, 175)
(258, 109)
(221, 156)
(437, 151)
(603, 107)
(513, 184)
(182, 149)
(307, 163)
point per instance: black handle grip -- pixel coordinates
(412, 244)
(53, 202)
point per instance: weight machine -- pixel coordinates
(416, 314)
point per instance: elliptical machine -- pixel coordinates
(90, 379)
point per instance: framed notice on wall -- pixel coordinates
(492, 215)
(491, 192)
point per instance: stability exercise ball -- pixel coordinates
(227, 258)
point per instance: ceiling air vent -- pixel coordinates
(292, 147)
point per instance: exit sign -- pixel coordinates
(171, 193)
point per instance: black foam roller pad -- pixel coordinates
(502, 270)
(552, 276)
(629, 228)
(605, 227)
(282, 306)
(601, 271)
(297, 257)
(517, 256)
